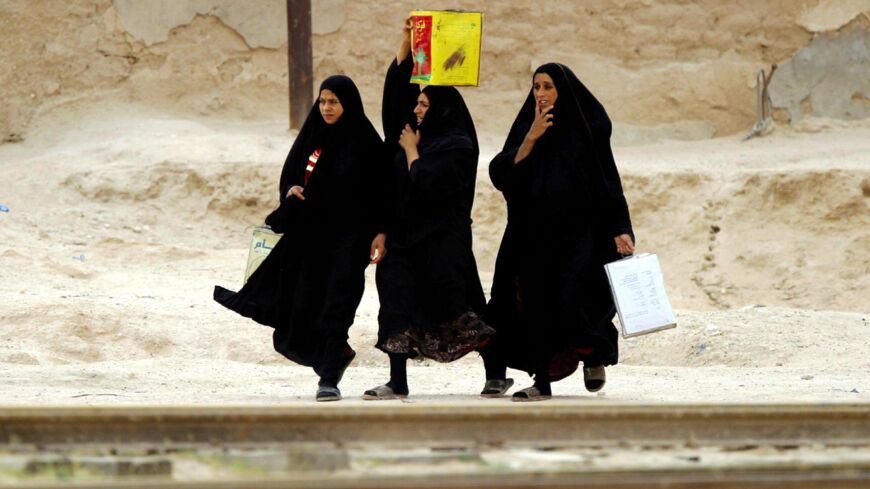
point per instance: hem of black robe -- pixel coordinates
(447, 342)
(321, 366)
(593, 350)
(567, 361)
(232, 301)
(297, 358)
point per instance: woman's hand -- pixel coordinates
(409, 138)
(296, 191)
(543, 121)
(405, 45)
(379, 248)
(624, 244)
(409, 141)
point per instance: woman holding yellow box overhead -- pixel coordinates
(331, 214)
(567, 216)
(430, 294)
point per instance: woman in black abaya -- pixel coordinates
(430, 293)
(331, 214)
(567, 216)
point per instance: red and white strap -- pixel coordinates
(312, 162)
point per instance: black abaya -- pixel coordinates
(430, 293)
(311, 284)
(550, 298)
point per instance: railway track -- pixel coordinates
(455, 445)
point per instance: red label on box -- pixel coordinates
(421, 47)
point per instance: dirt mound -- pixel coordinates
(728, 235)
(731, 239)
(755, 337)
(230, 190)
(73, 331)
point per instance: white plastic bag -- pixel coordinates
(638, 289)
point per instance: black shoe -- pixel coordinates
(594, 378)
(496, 387)
(327, 393)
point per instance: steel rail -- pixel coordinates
(443, 424)
(777, 476)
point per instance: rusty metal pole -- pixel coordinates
(299, 62)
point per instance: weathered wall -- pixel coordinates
(263, 26)
(673, 68)
(828, 78)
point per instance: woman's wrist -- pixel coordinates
(411, 154)
(404, 50)
(525, 149)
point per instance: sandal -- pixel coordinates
(325, 393)
(496, 387)
(530, 394)
(383, 393)
(594, 378)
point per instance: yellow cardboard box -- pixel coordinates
(445, 46)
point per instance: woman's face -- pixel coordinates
(545, 91)
(421, 108)
(330, 106)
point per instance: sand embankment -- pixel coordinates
(137, 151)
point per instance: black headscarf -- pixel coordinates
(351, 141)
(576, 110)
(352, 128)
(581, 125)
(447, 124)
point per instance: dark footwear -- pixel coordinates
(383, 393)
(331, 381)
(594, 378)
(530, 394)
(325, 393)
(496, 387)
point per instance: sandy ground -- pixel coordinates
(121, 221)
